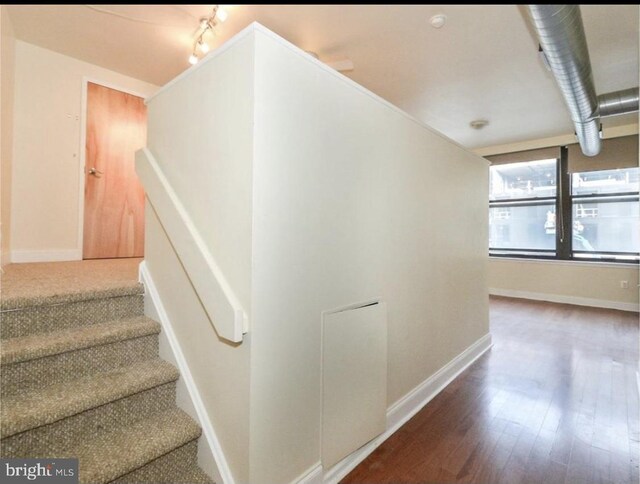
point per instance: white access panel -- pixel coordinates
(354, 380)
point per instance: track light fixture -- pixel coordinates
(203, 46)
(207, 24)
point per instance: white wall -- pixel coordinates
(571, 282)
(7, 75)
(353, 200)
(219, 370)
(200, 131)
(583, 283)
(311, 193)
(46, 153)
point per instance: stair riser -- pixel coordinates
(98, 404)
(19, 377)
(52, 440)
(176, 467)
(43, 319)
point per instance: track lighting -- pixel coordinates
(222, 14)
(203, 46)
(207, 24)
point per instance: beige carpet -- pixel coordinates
(56, 282)
(81, 376)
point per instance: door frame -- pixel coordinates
(83, 148)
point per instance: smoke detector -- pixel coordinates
(478, 123)
(438, 21)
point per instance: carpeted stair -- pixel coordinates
(81, 377)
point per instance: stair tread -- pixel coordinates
(34, 408)
(123, 450)
(15, 350)
(192, 474)
(51, 297)
(196, 476)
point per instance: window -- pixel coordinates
(522, 208)
(539, 209)
(605, 214)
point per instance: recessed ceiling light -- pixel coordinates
(438, 21)
(478, 123)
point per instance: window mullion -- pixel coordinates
(564, 222)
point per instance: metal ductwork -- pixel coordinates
(564, 47)
(561, 36)
(619, 102)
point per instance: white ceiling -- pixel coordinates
(482, 64)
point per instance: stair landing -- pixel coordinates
(58, 282)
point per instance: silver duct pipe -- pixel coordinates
(561, 35)
(619, 102)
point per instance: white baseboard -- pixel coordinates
(405, 408)
(20, 256)
(214, 460)
(313, 475)
(558, 298)
(400, 412)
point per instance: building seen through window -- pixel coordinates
(604, 212)
(522, 206)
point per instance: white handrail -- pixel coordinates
(218, 299)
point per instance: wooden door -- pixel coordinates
(113, 196)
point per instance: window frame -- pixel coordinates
(545, 254)
(624, 197)
(564, 202)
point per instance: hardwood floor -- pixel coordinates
(554, 401)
